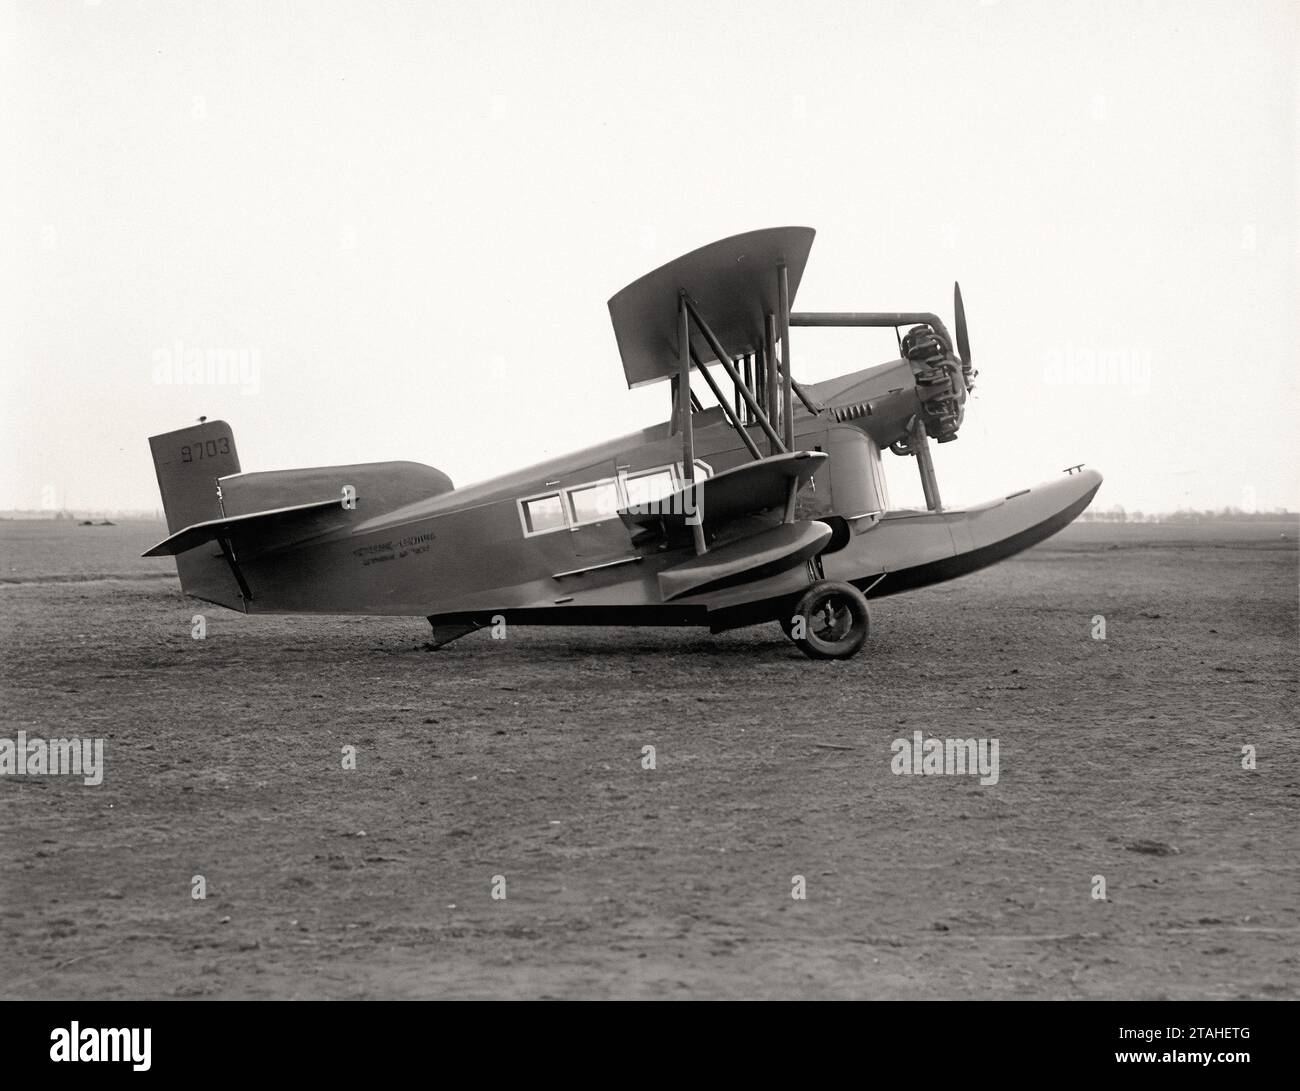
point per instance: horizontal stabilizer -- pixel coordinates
(763, 554)
(260, 522)
(755, 486)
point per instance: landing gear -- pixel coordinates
(830, 621)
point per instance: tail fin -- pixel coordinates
(189, 463)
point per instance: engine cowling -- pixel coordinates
(941, 382)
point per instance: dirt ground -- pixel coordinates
(522, 758)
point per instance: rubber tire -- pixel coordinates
(855, 601)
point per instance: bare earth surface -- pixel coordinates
(521, 758)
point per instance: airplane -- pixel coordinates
(771, 505)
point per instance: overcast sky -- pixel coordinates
(407, 218)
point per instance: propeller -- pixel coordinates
(963, 342)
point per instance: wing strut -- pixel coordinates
(684, 412)
(779, 385)
(691, 314)
(771, 380)
(228, 552)
(731, 414)
(919, 442)
(783, 324)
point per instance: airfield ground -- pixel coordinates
(521, 758)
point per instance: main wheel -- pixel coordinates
(834, 618)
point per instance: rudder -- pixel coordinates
(189, 462)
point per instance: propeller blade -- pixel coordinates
(959, 312)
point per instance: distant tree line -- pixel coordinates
(1116, 513)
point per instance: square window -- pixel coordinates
(592, 503)
(645, 487)
(543, 513)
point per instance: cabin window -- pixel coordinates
(597, 501)
(641, 488)
(542, 514)
(594, 503)
(702, 470)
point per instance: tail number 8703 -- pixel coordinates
(209, 448)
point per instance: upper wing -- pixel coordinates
(733, 282)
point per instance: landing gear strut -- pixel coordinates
(830, 622)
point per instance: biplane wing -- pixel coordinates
(725, 303)
(762, 486)
(731, 280)
(755, 557)
(743, 490)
